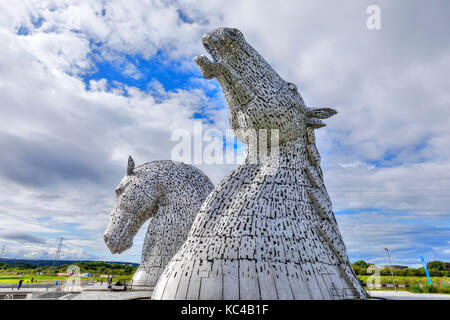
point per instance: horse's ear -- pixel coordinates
(321, 113)
(314, 114)
(130, 167)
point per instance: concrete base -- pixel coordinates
(111, 295)
(143, 277)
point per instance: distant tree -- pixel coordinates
(385, 272)
(23, 266)
(359, 271)
(46, 268)
(436, 273)
(401, 272)
(421, 272)
(438, 265)
(411, 272)
(360, 264)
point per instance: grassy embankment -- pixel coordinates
(14, 279)
(416, 284)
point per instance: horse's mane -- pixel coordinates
(177, 164)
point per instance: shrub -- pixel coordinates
(415, 289)
(443, 290)
(429, 289)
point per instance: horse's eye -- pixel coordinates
(233, 32)
(118, 191)
(292, 86)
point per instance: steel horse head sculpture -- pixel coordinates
(260, 235)
(168, 192)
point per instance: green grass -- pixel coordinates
(416, 284)
(14, 279)
(407, 280)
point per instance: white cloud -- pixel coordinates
(71, 142)
(367, 234)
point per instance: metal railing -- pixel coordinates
(343, 293)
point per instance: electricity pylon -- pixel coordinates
(58, 252)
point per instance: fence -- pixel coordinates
(343, 294)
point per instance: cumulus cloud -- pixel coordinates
(368, 233)
(64, 143)
(65, 137)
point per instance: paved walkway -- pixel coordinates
(92, 291)
(97, 292)
(23, 290)
(405, 295)
(103, 295)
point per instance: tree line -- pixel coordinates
(435, 268)
(95, 268)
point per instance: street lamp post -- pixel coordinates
(390, 265)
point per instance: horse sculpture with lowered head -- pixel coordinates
(170, 193)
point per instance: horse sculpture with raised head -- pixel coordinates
(170, 193)
(267, 231)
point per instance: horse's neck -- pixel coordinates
(291, 154)
(169, 227)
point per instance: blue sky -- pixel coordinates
(83, 85)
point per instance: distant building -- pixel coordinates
(87, 274)
(64, 274)
(394, 267)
